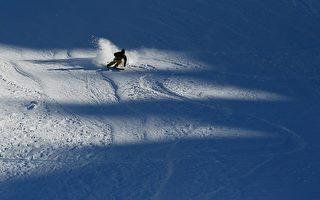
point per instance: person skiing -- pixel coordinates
(118, 56)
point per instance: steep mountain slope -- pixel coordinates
(219, 101)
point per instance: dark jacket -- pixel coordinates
(121, 55)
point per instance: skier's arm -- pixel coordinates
(125, 60)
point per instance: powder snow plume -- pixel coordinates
(105, 51)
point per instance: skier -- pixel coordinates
(118, 56)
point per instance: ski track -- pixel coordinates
(140, 135)
(156, 86)
(38, 114)
(169, 160)
(113, 85)
(141, 86)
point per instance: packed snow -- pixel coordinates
(226, 109)
(60, 106)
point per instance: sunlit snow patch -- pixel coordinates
(196, 89)
(145, 58)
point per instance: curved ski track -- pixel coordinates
(79, 131)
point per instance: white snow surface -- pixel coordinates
(220, 100)
(91, 133)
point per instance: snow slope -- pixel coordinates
(61, 112)
(227, 112)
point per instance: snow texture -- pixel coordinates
(220, 100)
